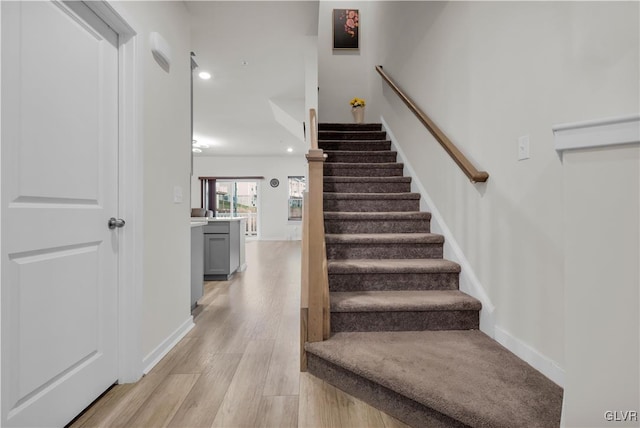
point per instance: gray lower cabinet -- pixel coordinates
(221, 249)
(197, 264)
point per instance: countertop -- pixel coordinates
(206, 220)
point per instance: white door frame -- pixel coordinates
(130, 187)
(130, 190)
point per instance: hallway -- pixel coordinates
(239, 366)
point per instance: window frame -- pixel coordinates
(299, 199)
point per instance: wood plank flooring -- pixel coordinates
(238, 367)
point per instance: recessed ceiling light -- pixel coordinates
(290, 149)
(244, 62)
(204, 141)
(196, 150)
(195, 144)
(204, 75)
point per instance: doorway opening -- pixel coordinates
(230, 197)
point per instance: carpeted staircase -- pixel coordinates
(404, 337)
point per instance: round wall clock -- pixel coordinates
(274, 182)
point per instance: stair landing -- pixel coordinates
(452, 378)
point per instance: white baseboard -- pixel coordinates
(543, 364)
(469, 282)
(166, 345)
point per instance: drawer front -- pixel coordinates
(216, 228)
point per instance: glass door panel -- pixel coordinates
(247, 198)
(238, 199)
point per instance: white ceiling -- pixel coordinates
(235, 111)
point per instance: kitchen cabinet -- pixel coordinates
(197, 262)
(223, 242)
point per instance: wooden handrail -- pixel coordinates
(457, 156)
(314, 302)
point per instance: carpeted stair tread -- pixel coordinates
(384, 246)
(395, 266)
(462, 374)
(340, 179)
(358, 152)
(376, 196)
(362, 165)
(364, 184)
(405, 300)
(384, 238)
(352, 135)
(327, 126)
(355, 145)
(377, 222)
(351, 156)
(350, 169)
(388, 216)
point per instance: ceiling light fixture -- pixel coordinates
(204, 75)
(290, 149)
(194, 143)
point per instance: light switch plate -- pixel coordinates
(523, 147)
(177, 194)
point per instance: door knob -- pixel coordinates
(115, 222)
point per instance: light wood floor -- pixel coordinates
(239, 366)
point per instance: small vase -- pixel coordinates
(358, 114)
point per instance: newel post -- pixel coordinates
(316, 296)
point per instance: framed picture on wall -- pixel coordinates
(346, 29)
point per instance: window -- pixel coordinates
(297, 186)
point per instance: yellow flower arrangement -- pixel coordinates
(357, 102)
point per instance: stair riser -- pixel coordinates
(368, 157)
(372, 145)
(405, 321)
(371, 205)
(358, 136)
(391, 281)
(402, 408)
(362, 226)
(384, 251)
(338, 170)
(367, 187)
(349, 127)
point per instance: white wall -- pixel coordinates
(342, 74)
(166, 151)
(487, 73)
(602, 234)
(273, 221)
(310, 75)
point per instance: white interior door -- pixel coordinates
(59, 189)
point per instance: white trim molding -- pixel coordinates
(469, 282)
(167, 345)
(597, 133)
(543, 364)
(130, 178)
